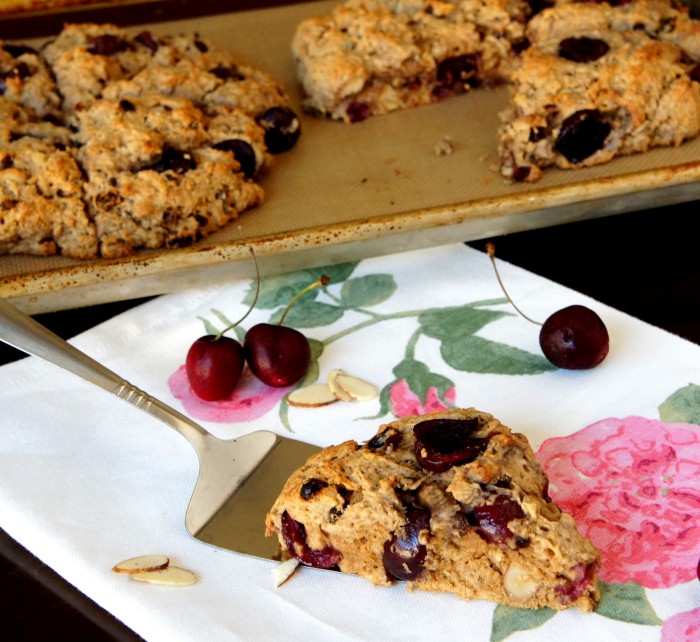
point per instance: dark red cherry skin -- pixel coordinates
(492, 520)
(277, 355)
(214, 366)
(294, 535)
(574, 338)
(404, 555)
(442, 443)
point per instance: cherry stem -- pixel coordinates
(491, 251)
(312, 286)
(252, 305)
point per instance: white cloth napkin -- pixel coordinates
(87, 480)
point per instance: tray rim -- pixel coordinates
(164, 271)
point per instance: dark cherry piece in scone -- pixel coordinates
(452, 502)
(599, 82)
(370, 58)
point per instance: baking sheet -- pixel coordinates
(347, 192)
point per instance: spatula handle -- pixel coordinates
(24, 333)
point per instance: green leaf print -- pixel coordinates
(447, 323)
(627, 603)
(508, 620)
(278, 290)
(474, 354)
(309, 314)
(420, 378)
(683, 406)
(367, 290)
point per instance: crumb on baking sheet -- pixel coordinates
(444, 147)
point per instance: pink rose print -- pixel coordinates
(683, 627)
(405, 402)
(249, 401)
(632, 486)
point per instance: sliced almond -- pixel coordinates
(355, 387)
(142, 563)
(283, 571)
(335, 387)
(312, 396)
(518, 584)
(170, 576)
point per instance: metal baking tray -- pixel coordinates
(347, 192)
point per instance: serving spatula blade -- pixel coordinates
(238, 479)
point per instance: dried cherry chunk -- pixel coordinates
(243, 152)
(311, 487)
(581, 135)
(226, 73)
(357, 111)
(282, 128)
(388, 438)
(571, 589)
(583, 49)
(440, 444)
(404, 554)
(107, 44)
(491, 520)
(174, 160)
(458, 70)
(148, 40)
(294, 535)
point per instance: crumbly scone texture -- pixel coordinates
(149, 141)
(599, 82)
(352, 499)
(373, 57)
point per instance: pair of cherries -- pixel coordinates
(276, 354)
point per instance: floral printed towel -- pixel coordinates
(86, 480)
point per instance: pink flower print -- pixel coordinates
(249, 401)
(632, 486)
(405, 402)
(682, 627)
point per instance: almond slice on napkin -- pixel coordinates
(311, 396)
(142, 563)
(169, 576)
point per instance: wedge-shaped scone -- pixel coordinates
(370, 58)
(452, 502)
(599, 82)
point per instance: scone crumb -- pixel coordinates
(444, 147)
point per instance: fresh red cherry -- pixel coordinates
(277, 355)
(214, 366)
(574, 338)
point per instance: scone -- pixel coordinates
(156, 141)
(370, 58)
(451, 502)
(600, 82)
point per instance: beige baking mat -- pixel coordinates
(350, 191)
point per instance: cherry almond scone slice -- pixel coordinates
(452, 502)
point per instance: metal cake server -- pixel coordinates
(239, 479)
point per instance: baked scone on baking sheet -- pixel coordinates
(601, 81)
(149, 141)
(373, 57)
(451, 502)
